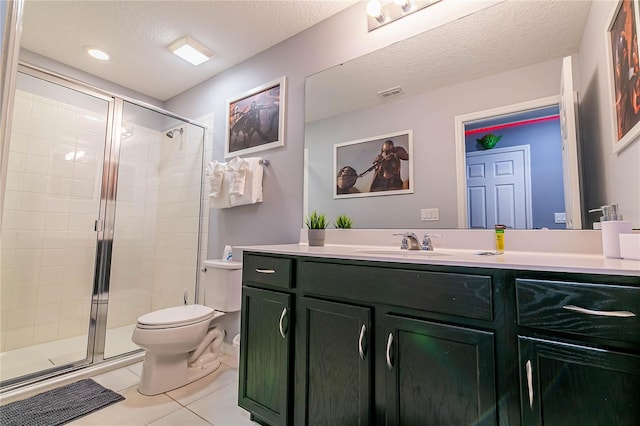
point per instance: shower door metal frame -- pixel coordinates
(104, 224)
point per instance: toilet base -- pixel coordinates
(164, 372)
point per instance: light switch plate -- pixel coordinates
(560, 217)
(427, 215)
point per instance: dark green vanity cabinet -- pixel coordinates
(579, 346)
(266, 340)
(336, 362)
(427, 369)
(438, 374)
(348, 342)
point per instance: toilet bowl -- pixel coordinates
(182, 343)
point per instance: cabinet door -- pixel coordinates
(438, 374)
(265, 355)
(337, 363)
(563, 384)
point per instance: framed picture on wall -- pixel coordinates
(256, 119)
(624, 72)
(380, 165)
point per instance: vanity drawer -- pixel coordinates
(462, 295)
(597, 310)
(267, 270)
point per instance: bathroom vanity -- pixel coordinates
(342, 336)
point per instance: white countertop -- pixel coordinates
(522, 260)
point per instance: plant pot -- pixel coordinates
(316, 237)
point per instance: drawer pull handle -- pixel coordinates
(265, 271)
(619, 314)
(389, 342)
(361, 349)
(284, 312)
(530, 382)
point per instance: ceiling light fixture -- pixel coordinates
(383, 12)
(98, 53)
(190, 50)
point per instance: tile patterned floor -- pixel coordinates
(211, 400)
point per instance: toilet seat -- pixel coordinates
(178, 316)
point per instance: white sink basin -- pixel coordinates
(399, 252)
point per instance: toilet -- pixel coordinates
(183, 342)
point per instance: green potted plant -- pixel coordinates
(344, 222)
(317, 224)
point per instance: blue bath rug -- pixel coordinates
(58, 406)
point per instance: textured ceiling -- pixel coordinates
(137, 34)
(502, 37)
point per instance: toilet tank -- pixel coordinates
(223, 285)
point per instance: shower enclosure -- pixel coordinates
(101, 223)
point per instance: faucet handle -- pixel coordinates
(406, 237)
(426, 241)
(405, 242)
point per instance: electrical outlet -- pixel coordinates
(560, 217)
(429, 214)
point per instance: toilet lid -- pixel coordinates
(176, 317)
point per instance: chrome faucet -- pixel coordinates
(410, 241)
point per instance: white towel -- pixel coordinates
(237, 169)
(253, 184)
(215, 170)
(251, 191)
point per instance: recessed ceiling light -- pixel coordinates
(98, 53)
(191, 51)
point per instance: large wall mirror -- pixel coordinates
(500, 67)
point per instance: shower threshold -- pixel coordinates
(31, 359)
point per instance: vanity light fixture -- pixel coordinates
(383, 12)
(98, 53)
(191, 50)
(374, 10)
(405, 5)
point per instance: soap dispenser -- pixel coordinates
(612, 226)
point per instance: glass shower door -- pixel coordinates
(49, 239)
(156, 227)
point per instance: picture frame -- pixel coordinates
(256, 119)
(374, 166)
(624, 72)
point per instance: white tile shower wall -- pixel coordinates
(48, 241)
(134, 239)
(180, 170)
